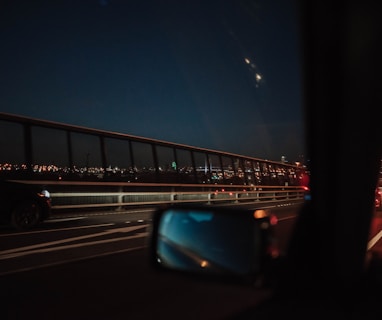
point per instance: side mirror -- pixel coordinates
(214, 241)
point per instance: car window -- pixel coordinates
(114, 110)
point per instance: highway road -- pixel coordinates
(70, 237)
(95, 266)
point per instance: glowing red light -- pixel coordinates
(273, 220)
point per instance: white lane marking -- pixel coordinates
(78, 245)
(374, 240)
(47, 244)
(286, 218)
(63, 219)
(58, 229)
(69, 261)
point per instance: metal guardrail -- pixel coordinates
(142, 198)
(119, 200)
(119, 195)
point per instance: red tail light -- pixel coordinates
(273, 220)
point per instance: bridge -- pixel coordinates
(90, 169)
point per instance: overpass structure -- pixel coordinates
(85, 168)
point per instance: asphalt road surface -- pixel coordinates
(118, 286)
(97, 267)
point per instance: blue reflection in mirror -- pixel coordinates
(206, 241)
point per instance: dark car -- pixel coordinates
(23, 206)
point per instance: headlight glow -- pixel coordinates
(44, 193)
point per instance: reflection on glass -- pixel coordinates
(207, 241)
(11, 139)
(50, 147)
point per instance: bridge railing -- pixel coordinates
(119, 199)
(75, 195)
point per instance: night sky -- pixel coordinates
(223, 75)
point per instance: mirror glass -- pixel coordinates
(209, 241)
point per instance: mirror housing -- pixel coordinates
(215, 242)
